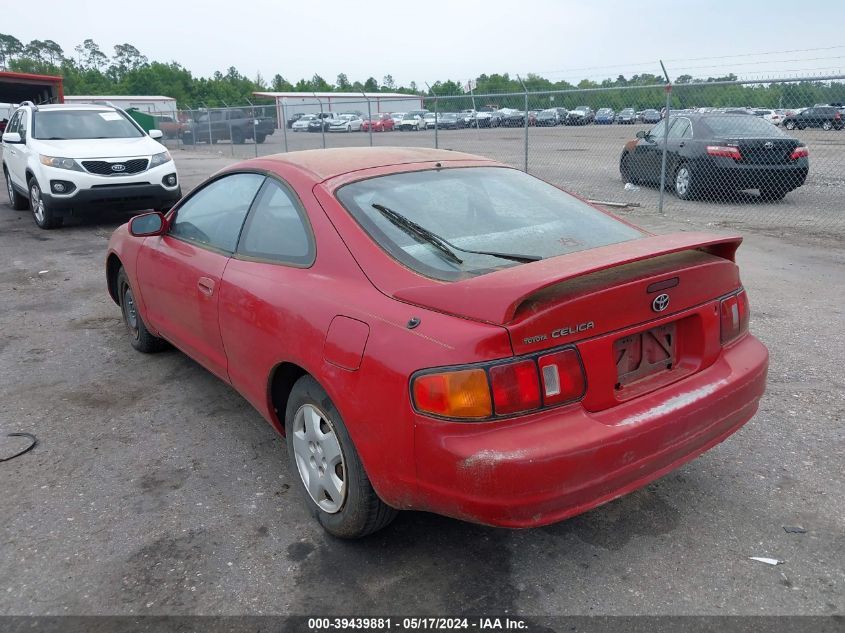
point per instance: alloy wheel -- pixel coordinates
(319, 458)
(37, 203)
(682, 181)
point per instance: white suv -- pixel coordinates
(66, 159)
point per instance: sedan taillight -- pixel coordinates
(501, 389)
(734, 314)
(727, 151)
(799, 152)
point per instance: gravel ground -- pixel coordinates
(156, 489)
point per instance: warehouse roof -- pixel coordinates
(115, 97)
(329, 95)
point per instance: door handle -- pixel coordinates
(206, 286)
(681, 144)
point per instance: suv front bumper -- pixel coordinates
(117, 197)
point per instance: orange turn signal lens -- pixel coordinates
(454, 394)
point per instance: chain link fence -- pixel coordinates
(766, 155)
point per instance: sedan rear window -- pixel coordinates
(492, 209)
(736, 126)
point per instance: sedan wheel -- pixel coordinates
(335, 485)
(827, 126)
(139, 336)
(684, 182)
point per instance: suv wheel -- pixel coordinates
(41, 212)
(16, 200)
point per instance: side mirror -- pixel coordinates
(642, 134)
(12, 137)
(147, 224)
(156, 134)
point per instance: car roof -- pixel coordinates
(328, 163)
(75, 106)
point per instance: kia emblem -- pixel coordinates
(660, 303)
(118, 167)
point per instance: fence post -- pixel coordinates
(436, 117)
(229, 119)
(665, 138)
(322, 120)
(284, 123)
(208, 112)
(254, 127)
(369, 117)
(525, 90)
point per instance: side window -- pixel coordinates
(277, 228)
(13, 124)
(214, 215)
(679, 129)
(22, 125)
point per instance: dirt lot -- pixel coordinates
(155, 488)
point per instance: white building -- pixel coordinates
(290, 103)
(149, 104)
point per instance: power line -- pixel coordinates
(765, 61)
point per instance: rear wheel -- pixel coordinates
(260, 138)
(827, 126)
(16, 200)
(237, 137)
(139, 336)
(336, 487)
(684, 182)
(43, 215)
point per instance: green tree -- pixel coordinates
(388, 83)
(371, 85)
(342, 83)
(10, 46)
(280, 84)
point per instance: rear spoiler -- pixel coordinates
(495, 297)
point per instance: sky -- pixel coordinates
(429, 41)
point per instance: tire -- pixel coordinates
(684, 182)
(314, 429)
(827, 126)
(187, 138)
(139, 336)
(348, 128)
(260, 138)
(44, 217)
(16, 200)
(625, 169)
(773, 194)
(237, 137)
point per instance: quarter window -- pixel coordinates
(276, 228)
(214, 215)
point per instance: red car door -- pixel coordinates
(179, 273)
(269, 272)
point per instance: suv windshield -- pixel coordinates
(82, 124)
(741, 126)
(479, 208)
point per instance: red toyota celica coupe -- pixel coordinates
(432, 330)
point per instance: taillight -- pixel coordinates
(837, 116)
(501, 389)
(734, 315)
(515, 387)
(728, 151)
(563, 378)
(454, 394)
(799, 152)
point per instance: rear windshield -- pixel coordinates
(479, 208)
(741, 126)
(82, 124)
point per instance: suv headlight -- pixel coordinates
(60, 163)
(160, 159)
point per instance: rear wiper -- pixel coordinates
(441, 243)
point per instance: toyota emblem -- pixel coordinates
(768, 145)
(660, 303)
(118, 167)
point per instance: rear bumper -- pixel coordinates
(722, 172)
(115, 198)
(548, 467)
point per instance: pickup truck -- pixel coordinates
(228, 125)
